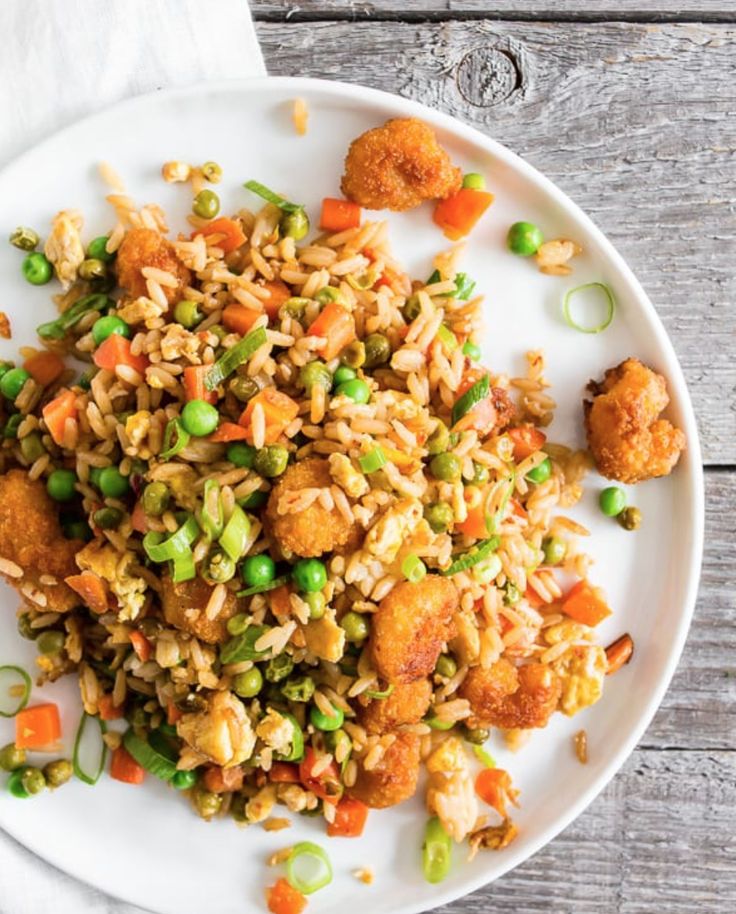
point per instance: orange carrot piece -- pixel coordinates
(222, 780)
(339, 215)
(533, 598)
(475, 523)
(278, 408)
(279, 599)
(239, 319)
(57, 411)
(123, 767)
(619, 653)
(283, 899)
(38, 727)
(138, 519)
(173, 714)
(350, 818)
(280, 292)
(457, 215)
(141, 646)
(228, 431)
(108, 710)
(586, 604)
(44, 367)
(337, 325)
(114, 351)
(232, 230)
(194, 388)
(493, 786)
(92, 589)
(284, 773)
(526, 440)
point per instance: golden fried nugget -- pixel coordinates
(178, 601)
(31, 537)
(314, 530)
(407, 704)
(142, 247)
(410, 627)
(395, 777)
(507, 697)
(398, 166)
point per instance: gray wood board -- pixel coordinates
(635, 122)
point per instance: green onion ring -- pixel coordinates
(413, 568)
(182, 439)
(90, 779)
(493, 520)
(176, 546)
(235, 356)
(262, 588)
(306, 850)
(436, 851)
(148, 758)
(610, 304)
(484, 757)
(26, 688)
(472, 396)
(447, 338)
(372, 693)
(372, 460)
(234, 537)
(212, 515)
(264, 192)
(474, 555)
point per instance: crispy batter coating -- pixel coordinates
(407, 704)
(314, 530)
(507, 697)
(31, 537)
(142, 247)
(410, 627)
(398, 166)
(177, 601)
(625, 436)
(395, 777)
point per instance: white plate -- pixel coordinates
(143, 844)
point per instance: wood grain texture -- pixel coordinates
(634, 122)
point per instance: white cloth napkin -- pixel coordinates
(62, 60)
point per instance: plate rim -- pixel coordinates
(678, 384)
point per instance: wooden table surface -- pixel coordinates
(630, 107)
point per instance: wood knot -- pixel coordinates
(487, 76)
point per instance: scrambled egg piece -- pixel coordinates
(259, 807)
(567, 630)
(346, 476)
(137, 427)
(140, 310)
(582, 670)
(276, 731)
(110, 565)
(64, 246)
(385, 537)
(178, 343)
(466, 643)
(451, 793)
(222, 732)
(324, 638)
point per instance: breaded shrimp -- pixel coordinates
(410, 627)
(628, 441)
(179, 600)
(398, 166)
(407, 704)
(314, 530)
(507, 697)
(142, 247)
(31, 538)
(395, 777)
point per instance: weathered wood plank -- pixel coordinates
(634, 122)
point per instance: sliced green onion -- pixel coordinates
(373, 460)
(262, 588)
(447, 338)
(436, 851)
(413, 568)
(79, 747)
(479, 391)
(176, 438)
(373, 693)
(464, 286)
(476, 554)
(184, 568)
(610, 307)
(436, 724)
(212, 515)
(55, 330)
(234, 537)
(308, 868)
(472, 351)
(484, 757)
(488, 570)
(235, 356)
(493, 520)
(25, 683)
(159, 549)
(159, 742)
(272, 197)
(147, 757)
(297, 740)
(242, 647)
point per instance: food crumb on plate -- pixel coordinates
(580, 741)
(276, 823)
(365, 875)
(300, 115)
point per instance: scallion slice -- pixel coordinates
(308, 868)
(373, 693)
(479, 391)
(12, 687)
(484, 757)
(610, 304)
(464, 286)
(436, 851)
(55, 330)
(373, 460)
(80, 748)
(176, 438)
(447, 338)
(476, 554)
(235, 356)
(177, 548)
(212, 515)
(272, 197)
(494, 517)
(413, 568)
(262, 588)
(147, 757)
(242, 647)
(296, 754)
(436, 724)
(234, 537)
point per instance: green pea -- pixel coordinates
(24, 627)
(237, 624)
(298, 688)
(294, 225)
(32, 780)
(37, 269)
(155, 499)
(554, 550)
(24, 238)
(357, 390)
(279, 668)
(77, 530)
(342, 374)
(206, 204)
(446, 666)
(220, 568)
(316, 603)
(243, 389)
(540, 473)
(12, 382)
(439, 516)
(206, 803)
(108, 518)
(377, 350)
(321, 721)
(612, 501)
(477, 735)
(439, 440)
(15, 785)
(241, 455)
(327, 295)
(12, 758)
(446, 467)
(310, 575)
(472, 351)
(630, 518)
(255, 500)
(113, 484)
(219, 331)
(412, 308)
(353, 355)
(524, 238)
(474, 181)
(60, 485)
(5, 368)
(258, 570)
(356, 627)
(10, 429)
(31, 447)
(212, 172)
(58, 772)
(184, 780)
(50, 642)
(271, 461)
(187, 314)
(92, 268)
(315, 374)
(97, 249)
(249, 683)
(199, 418)
(480, 474)
(108, 325)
